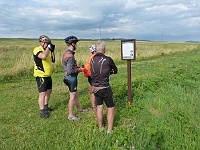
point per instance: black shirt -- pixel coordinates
(101, 68)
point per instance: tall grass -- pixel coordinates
(150, 49)
(16, 54)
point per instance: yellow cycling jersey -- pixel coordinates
(42, 67)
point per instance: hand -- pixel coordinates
(112, 71)
(80, 69)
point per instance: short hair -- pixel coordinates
(100, 46)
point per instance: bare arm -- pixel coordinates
(53, 58)
(44, 54)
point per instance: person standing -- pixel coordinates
(87, 74)
(43, 57)
(101, 68)
(71, 71)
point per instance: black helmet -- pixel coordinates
(71, 39)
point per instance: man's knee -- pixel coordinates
(42, 95)
(100, 107)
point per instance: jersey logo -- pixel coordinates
(66, 56)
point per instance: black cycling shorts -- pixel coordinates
(43, 83)
(71, 82)
(105, 95)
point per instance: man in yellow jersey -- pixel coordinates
(43, 57)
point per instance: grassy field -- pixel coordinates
(164, 114)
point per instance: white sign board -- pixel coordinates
(128, 49)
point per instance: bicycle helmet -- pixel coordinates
(45, 39)
(71, 39)
(92, 48)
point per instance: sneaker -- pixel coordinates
(83, 110)
(48, 109)
(108, 133)
(94, 108)
(101, 129)
(74, 118)
(45, 115)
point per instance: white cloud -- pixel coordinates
(140, 19)
(192, 22)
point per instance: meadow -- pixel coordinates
(164, 114)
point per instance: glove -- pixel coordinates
(51, 47)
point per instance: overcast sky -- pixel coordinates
(158, 20)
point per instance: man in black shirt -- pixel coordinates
(101, 68)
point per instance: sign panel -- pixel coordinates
(128, 49)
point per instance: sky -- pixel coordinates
(155, 20)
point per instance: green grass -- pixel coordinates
(164, 113)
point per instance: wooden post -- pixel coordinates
(128, 52)
(129, 82)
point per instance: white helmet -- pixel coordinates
(92, 48)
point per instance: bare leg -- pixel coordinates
(47, 96)
(71, 103)
(41, 100)
(92, 99)
(77, 102)
(100, 115)
(110, 118)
